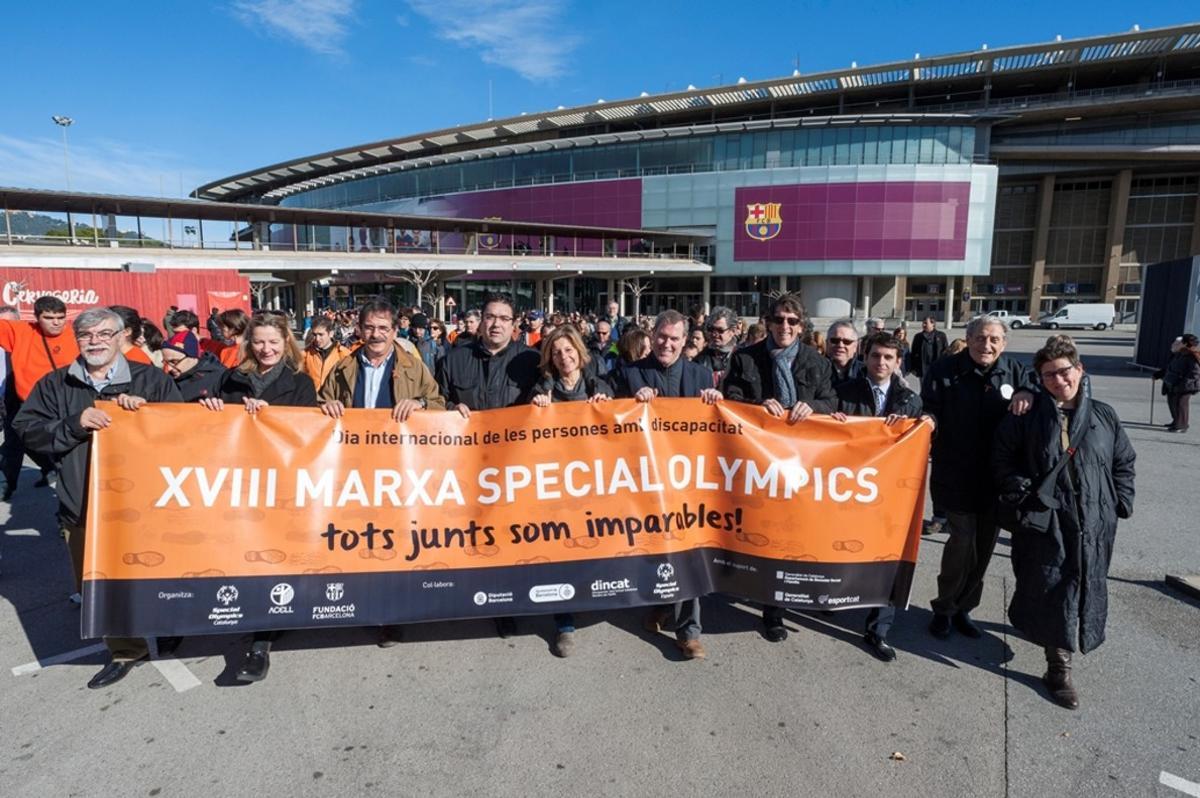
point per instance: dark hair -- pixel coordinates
(376, 306)
(1187, 339)
(235, 319)
(131, 318)
(787, 302)
(322, 323)
(185, 318)
(631, 343)
(669, 318)
(153, 335)
(884, 340)
(504, 298)
(48, 304)
(1057, 346)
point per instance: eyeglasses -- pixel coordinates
(489, 318)
(791, 321)
(719, 330)
(841, 341)
(103, 336)
(1062, 374)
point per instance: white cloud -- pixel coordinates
(319, 25)
(525, 36)
(103, 167)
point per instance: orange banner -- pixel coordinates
(185, 500)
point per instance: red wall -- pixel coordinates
(151, 294)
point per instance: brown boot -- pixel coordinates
(1058, 678)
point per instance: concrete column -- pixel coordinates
(572, 305)
(609, 291)
(1195, 250)
(706, 292)
(304, 295)
(538, 294)
(782, 284)
(1041, 241)
(865, 296)
(549, 294)
(898, 296)
(620, 298)
(949, 304)
(1118, 210)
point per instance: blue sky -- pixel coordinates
(172, 93)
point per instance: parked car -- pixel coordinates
(1095, 316)
(1013, 320)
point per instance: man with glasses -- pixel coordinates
(874, 327)
(197, 374)
(721, 332)
(968, 395)
(790, 380)
(491, 372)
(34, 350)
(58, 420)
(666, 373)
(603, 348)
(841, 347)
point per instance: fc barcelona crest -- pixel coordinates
(489, 240)
(763, 221)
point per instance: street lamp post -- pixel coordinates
(65, 122)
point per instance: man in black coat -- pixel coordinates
(968, 395)
(788, 378)
(58, 420)
(927, 346)
(880, 392)
(197, 374)
(666, 373)
(721, 331)
(841, 347)
(489, 372)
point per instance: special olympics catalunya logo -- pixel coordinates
(227, 594)
(665, 571)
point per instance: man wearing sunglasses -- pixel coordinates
(790, 380)
(721, 332)
(841, 347)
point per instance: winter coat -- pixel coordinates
(854, 370)
(927, 347)
(410, 380)
(592, 385)
(648, 373)
(1061, 594)
(472, 376)
(856, 398)
(318, 367)
(716, 361)
(49, 422)
(968, 404)
(290, 389)
(751, 377)
(204, 379)
(1183, 372)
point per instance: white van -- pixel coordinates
(1096, 316)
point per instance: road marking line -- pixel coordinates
(1183, 785)
(58, 659)
(177, 674)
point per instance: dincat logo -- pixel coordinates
(606, 588)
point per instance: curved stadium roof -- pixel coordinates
(795, 94)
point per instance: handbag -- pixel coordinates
(1027, 505)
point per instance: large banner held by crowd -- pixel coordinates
(202, 522)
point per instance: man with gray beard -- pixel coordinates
(58, 420)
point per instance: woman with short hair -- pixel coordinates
(1066, 473)
(1182, 379)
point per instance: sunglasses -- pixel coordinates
(791, 321)
(842, 341)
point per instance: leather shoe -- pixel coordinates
(390, 636)
(256, 666)
(692, 649)
(774, 630)
(965, 626)
(879, 647)
(168, 645)
(112, 673)
(940, 627)
(506, 627)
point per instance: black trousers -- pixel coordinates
(1177, 403)
(965, 559)
(12, 450)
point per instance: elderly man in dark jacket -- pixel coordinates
(788, 378)
(721, 331)
(927, 346)
(1067, 468)
(841, 347)
(666, 373)
(197, 374)
(60, 417)
(968, 395)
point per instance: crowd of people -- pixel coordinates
(1019, 445)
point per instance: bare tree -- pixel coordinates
(421, 279)
(637, 288)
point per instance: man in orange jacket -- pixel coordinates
(322, 353)
(34, 350)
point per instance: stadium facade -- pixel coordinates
(1017, 178)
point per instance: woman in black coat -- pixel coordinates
(568, 375)
(269, 374)
(1182, 379)
(1066, 469)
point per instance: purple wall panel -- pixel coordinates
(857, 221)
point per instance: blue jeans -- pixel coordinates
(565, 622)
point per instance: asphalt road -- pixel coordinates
(457, 711)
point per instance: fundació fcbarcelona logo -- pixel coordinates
(763, 221)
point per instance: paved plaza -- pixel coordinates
(455, 710)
